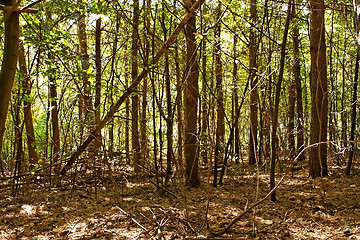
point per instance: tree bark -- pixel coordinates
(191, 95)
(220, 126)
(356, 5)
(274, 137)
(30, 133)
(8, 67)
(135, 97)
(254, 94)
(298, 89)
(97, 102)
(318, 86)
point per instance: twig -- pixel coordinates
(133, 219)
(236, 219)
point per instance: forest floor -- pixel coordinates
(324, 208)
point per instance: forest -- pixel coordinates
(179, 119)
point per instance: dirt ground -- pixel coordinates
(94, 208)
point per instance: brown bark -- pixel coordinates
(236, 103)
(85, 107)
(135, 97)
(254, 94)
(356, 5)
(318, 86)
(30, 133)
(97, 101)
(274, 137)
(131, 88)
(144, 118)
(179, 107)
(298, 89)
(8, 67)
(191, 95)
(220, 126)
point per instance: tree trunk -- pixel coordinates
(135, 97)
(254, 94)
(86, 106)
(8, 68)
(318, 85)
(191, 95)
(144, 118)
(356, 5)
(98, 82)
(353, 115)
(236, 103)
(220, 126)
(274, 137)
(298, 89)
(30, 133)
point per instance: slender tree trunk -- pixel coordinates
(169, 122)
(318, 85)
(356, 5)
(205, 100)
(85, 63)
(191, 95)
(30, 133)
(144, 118)
(344, 114)
(353, 115)
(127, 110)
(298, 89)
(291, 119)
(236, 102)
(179, 107)
(274, 137)
(135, 97)
(220, 126)
(254, 94)
(97, 81)
(8, 67)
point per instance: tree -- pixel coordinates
(254, 93)
(356, 5)
(8, 67)
(297, 82)
(135, 96)
(191, 95)
(28, 118)
(274, 136)
(318, 87)
(220, 126)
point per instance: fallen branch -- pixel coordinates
(133, 219)
(131, 89)
(236, 219)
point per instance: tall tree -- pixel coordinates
(97, 100)
(8, 67)
(191, 95)
(298, 88)
(28, 118)
(254, 93)
(274, 136)
(318, 85)
(356, 13)
(135, 97)
(220, 126)
(85, 104)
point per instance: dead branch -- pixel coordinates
(236, 219)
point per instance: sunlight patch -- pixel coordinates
(27, 210)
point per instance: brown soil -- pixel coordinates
(324, 208)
